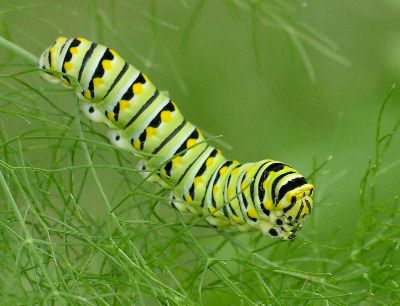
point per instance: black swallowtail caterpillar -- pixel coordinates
(267, 195)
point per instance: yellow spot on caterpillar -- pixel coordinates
(213, 210)
(209, 161)
(150, 131)
(52, 63)
(230, 193)
(235, 161)
(60, 39)
(219, 151)
(243, 186)
(81, 39)
(136, 144)
(188, 198)
(251, 170)
(137, 88)
(87, 95)
(235, 219)
(200, 133)
(68, 66)
(197, 181)
(111, 116)
(113, 52)
(177, 160)
(251, 212)
(145, 76)
(123, 104)
(65, 81)
(268, 205)
(223, 170)
(265, 185)
(97, 82)
(190, 143)
(215, 190)
(165, 116)
(73, 50)
(106, 64)
(234, 171)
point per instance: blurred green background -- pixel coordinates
(296, 81)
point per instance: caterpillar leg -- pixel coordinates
(92, 113)
(180, 205)
(154, 178)
(218, 222)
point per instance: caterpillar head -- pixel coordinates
(296, 204)
(49, 60)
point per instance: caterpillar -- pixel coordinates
(268, 196)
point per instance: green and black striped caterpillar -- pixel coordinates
(267, 195)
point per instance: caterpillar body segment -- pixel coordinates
(268, 195)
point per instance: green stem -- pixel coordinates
(17, 50)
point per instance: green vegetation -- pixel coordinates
(309, 83)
